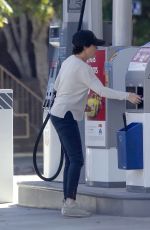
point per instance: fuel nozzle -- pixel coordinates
(50, 97)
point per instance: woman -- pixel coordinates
(73, 82)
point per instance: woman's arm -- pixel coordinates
(96, 85)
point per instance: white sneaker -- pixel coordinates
(73, 210)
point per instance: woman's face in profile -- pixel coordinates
(90, 51)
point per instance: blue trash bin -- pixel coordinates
(130, 147)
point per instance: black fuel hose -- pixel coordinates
(45, 122)
(81, 15)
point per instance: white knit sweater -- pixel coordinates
(73, 82)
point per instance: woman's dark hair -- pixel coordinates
(84, 38)
(78, 49)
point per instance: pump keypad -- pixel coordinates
(130, 89)
(138, 90)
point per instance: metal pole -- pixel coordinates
(93, 17)
(122, 23)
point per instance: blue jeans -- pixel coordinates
(69, 135)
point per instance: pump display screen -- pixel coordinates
(131, 89)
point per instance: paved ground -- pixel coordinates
(13, 217)
(19, 218)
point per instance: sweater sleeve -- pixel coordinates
(93, 83)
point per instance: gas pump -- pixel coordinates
(105, 118)
(138, 80)
(51, 141)
(72, 20)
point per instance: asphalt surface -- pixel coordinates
(13, 217)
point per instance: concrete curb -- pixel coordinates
(41, 196)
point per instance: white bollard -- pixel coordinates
(6, 145)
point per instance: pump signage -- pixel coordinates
(140, 60)
(96, 108)
(74, 6)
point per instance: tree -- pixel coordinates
(107, 10)
(27, 30)
(5, 10)
(141, 28)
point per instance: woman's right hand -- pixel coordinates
(134, 98)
